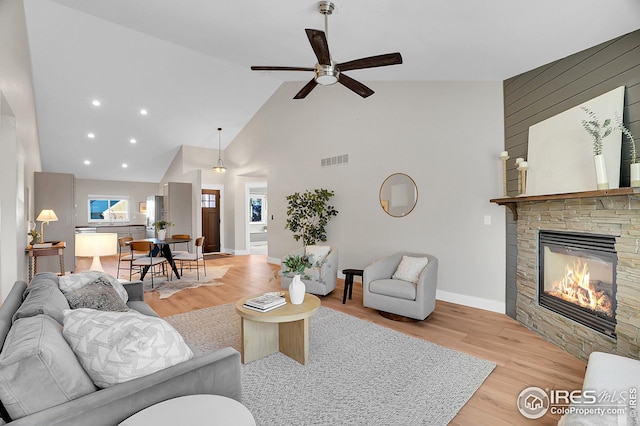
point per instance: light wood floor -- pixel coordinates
(523, 358)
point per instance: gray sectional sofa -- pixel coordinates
(47, 385)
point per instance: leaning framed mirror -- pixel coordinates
(398, 195)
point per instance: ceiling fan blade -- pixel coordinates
(371, 62)
(319, 45)
(306, 90)
(261, 68)
(356, 86)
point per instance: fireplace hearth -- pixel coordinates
(577, 277)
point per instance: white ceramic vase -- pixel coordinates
(635, 174)
(601, 172)
(296, 290)
(162, 234)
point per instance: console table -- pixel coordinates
(55, 250)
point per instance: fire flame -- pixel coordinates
(576, 287)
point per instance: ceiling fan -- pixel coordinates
(328, 71)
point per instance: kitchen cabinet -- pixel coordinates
(178, 208)
(137, 232)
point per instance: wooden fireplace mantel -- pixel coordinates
(512, 202)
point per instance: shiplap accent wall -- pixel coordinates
(556, 87)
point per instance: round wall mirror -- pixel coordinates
(398, 195)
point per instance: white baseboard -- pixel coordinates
(472, 301)
(274, 260)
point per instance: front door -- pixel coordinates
(211, 220)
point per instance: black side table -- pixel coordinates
(348, 282)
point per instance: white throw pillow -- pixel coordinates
(115, 347)
(72, 282)
(317, 253)
(410, 268)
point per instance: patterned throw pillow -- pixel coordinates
(72, 282)
(96, 295)
(317, 253)
(410, 269)
(115, 347)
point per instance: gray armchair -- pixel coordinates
(320, 279)
(399, 297)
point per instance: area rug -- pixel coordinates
(187, 280)
(359, 373)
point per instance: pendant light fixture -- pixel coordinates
(219, 168)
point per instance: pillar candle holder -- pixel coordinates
(518, 161)
(522, 169)
(504, 156)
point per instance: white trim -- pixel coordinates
(472, 301)
(274, 260)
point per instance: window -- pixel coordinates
(257, 209)
(209, 200)
(108, 209)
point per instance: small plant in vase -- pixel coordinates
(296, 265)
(161, 228)
(598, 131)
(34, 236)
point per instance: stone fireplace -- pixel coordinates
(614, 217)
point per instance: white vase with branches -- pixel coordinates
(598, 131)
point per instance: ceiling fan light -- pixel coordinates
(326, 75)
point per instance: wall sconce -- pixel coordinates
(96, 245)
(45, 216)
(219, 168)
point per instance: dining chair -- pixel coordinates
(125, 254)
(147, 260)
(181, 236)
(197, 257)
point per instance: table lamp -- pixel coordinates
(96, 245)
(45, 216)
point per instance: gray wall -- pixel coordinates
(556, 87)
(446, 135)
(19, 141)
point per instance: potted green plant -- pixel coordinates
(598, 131)
(308, 215)
(161, 228)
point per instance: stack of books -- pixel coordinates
(265, 303)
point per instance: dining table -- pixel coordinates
(165, 249)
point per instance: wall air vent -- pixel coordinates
(335, 161)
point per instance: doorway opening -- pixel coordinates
(257, 218)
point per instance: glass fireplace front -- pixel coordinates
(577, 277)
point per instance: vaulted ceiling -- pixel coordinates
(187, 63)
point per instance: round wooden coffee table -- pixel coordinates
(284, 329)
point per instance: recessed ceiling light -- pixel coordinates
(91, 135)
(124, 165)
(95, 102)
(132, 140)
(87, 162)
(143, 111)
